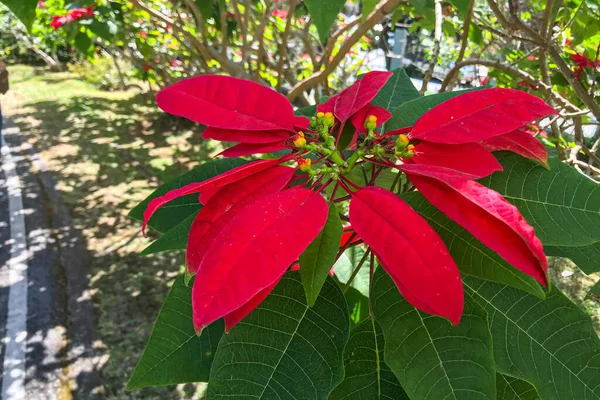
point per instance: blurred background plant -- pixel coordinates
(310, 49)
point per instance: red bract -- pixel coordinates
(519, 142)
(236, 316)
(409, 250)
(216, 182)
(227, 103)
(253, 227)
(254, 250)
(485, 214)
(470, 158)
(225, 204)
(355, 97)
(231, 135)
(358, 118)
(57, 21)
(479, 115)
(71, 16)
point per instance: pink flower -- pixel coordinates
(279, 14)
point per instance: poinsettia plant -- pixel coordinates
(404, 226)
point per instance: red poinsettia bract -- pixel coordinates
(258, 218)
(71, 16)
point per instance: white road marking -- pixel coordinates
(13, 379)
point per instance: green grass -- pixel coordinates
(108, 150)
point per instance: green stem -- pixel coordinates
(355, 272)
(371, 270)
(395, 182)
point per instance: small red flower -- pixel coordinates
(279, 14)
(73, 15)
(147, 68)
(176, 63)
(526, 84)
(143, 34)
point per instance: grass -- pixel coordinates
(108, 150)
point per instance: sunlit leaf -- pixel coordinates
(284, 348)
(174, 353)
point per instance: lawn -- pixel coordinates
(108, 150)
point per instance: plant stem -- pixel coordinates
(371, 270)
(355, 272)
(345, 246)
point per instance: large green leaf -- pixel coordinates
(509, 388)
(24, 10)
(398, 90)
(319, 256)
(461, 5)
(206, 8)
(83, 43)
(594, 292)
(358, 306)
(367, 376)
(284, 349)
(179, 209)
(561, 204)
(174, 239)
(432, 359)
(106, 30)
(409, 112)
(472, 257)
(174, 353)
(323, 14)
(550, 343)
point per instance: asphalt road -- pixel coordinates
(46, 313)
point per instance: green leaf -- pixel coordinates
(358, 306)
(24, 10)
(471, 256)
(398, 90)
(174, 353)
(318, 258)
(367, 376)
(308, 111)
(174, 239)
(284, 348)
(367, 7)
(323, 14)
(346, 136)
(83, 43)
(205, 7)
(179, 209)
(561, 204)
(509, 388)
(461, 5)
(409, 112)
(432, 359)
(103, 29)
(594, 292)
(550, 343)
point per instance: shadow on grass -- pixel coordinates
(107, 155)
